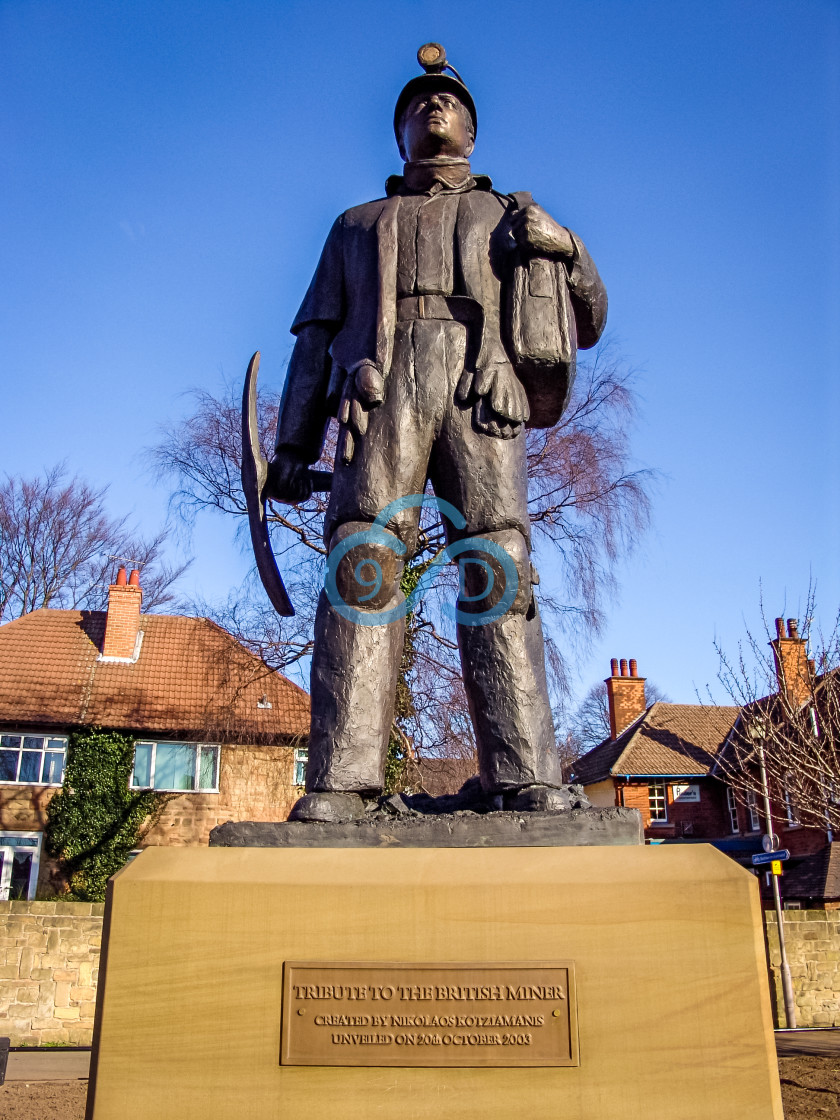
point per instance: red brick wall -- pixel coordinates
(801, 841)
(792, 671)
(626, 699)
(709, 817)
(123, 620)
(706, 819)
(634, 795)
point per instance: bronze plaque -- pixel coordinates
(370, 1014)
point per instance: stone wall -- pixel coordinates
(24, 808)
(812, 940)
(49, 963)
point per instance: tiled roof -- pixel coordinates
(668, 740)
(191, 678)
(597, 764)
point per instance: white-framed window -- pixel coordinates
(790, 804)
(658, 802)
(732, 807)
(33, 759)
(301, 758)
(176, 767)
(20, 857)
(752, 811)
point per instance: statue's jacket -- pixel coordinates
(354, 289)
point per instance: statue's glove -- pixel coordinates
(534, 229)
(500, 404)
(364, 389)
(288, 477)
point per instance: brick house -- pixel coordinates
(812, 876)
(664, 761)
(659, 759)
(214, 725)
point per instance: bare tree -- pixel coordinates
(247, 614)
(788, 723)
(588, 508)
(56, 544)
(585, 501)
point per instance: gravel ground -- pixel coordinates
(810, 1087)
(810, 1090)
(43, 1100)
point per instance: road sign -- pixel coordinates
(770, 857)
(776, 867)
(770, 843)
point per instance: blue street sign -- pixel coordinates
(770, 857)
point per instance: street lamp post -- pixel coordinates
(757, 735)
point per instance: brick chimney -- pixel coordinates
(793, 670)
(123, 619)
(625, 694)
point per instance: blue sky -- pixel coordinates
(169, 172)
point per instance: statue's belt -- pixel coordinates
(461, 309)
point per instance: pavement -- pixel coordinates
(71, 1065)
(43, 1065)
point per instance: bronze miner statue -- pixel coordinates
(441, 322)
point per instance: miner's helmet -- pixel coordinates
(432, 57)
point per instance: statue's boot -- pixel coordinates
(543, 798)
(353, 682)
(328, 807)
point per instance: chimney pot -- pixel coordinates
(614, 666)
(793, 628)
(121, 580)
(812, 666)
(634, 668)
(134, 578)
(624, 666)
(780, 627)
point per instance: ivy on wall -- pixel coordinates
(95, 820)
(397, 770)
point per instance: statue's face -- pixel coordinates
(435, 124)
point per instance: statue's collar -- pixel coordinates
(432, 175)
